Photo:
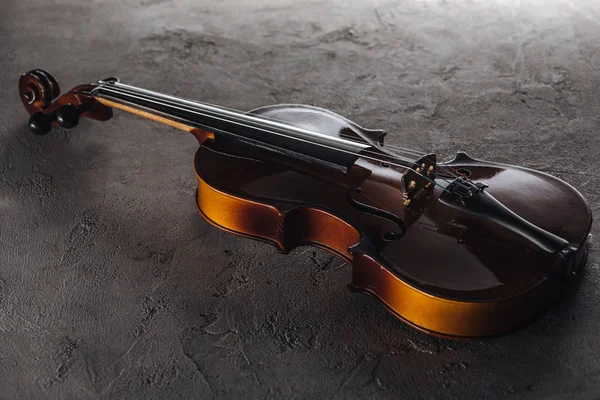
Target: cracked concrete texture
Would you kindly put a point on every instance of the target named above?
(111, 285)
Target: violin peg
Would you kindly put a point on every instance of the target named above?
(67, 116)
(40, 123)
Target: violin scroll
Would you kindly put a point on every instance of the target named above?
(40, 94)
(38, 89)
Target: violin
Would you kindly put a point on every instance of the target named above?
(462, 248)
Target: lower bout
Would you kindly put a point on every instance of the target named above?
(431, 314)
(450, 318)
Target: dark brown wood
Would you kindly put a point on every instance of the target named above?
(39, 92)
(439, 268)
(450, 274)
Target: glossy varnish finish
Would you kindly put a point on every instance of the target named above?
(39, 92)
(450, 274)
(441, 269)
(431, 304)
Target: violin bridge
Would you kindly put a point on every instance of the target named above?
(421, 177)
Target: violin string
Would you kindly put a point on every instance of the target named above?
(241, 114)
(147, 95)
(392, 148)
(105, 87)
(237, 114)
(130, 89)
(267, 118)
(395, 148)
(375, 157)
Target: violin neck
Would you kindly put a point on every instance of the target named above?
(193, 115)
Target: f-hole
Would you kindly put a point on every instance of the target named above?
(465, 172)
(387, 236)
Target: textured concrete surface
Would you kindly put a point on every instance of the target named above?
(112, 286)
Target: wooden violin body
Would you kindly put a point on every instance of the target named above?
(447, 274)
(443, 270)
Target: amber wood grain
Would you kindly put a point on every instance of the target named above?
(449, 275)
(447, 317)
(290, 226)
(200, 134)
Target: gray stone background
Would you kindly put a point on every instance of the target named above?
(111, 285)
